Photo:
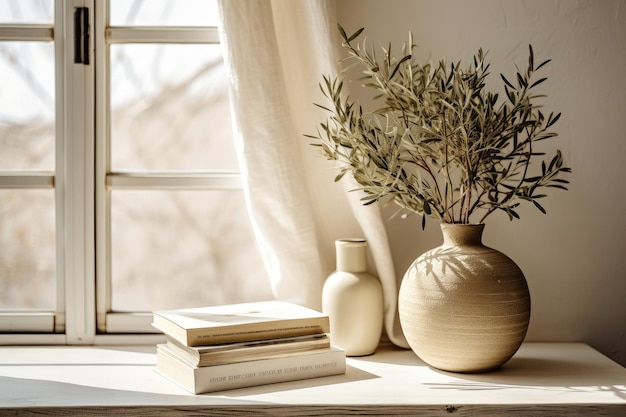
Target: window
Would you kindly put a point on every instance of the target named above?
(118, 175)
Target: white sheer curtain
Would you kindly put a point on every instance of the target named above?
(276, 52)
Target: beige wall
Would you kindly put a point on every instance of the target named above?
(574, 257)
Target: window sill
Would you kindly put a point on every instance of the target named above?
(553, 378)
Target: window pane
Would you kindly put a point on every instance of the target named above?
(174, 249)
(163, 12)
(170, 108)
(27, 105)
(26, 11)
(27, 254)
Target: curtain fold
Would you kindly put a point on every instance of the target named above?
(275, 53)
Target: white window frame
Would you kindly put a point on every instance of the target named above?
(84, 179)
(37, 327)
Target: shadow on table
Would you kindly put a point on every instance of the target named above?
(551, 373)
(27, 393)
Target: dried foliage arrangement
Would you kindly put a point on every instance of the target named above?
(441, 144)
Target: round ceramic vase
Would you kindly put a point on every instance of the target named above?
(353, 300)
(463, 306)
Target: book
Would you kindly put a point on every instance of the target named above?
(240, 322)
(246, 351)
(199, 380)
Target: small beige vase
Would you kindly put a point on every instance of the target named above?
(464, 307)
(353, 300)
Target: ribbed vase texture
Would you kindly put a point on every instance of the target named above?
(463, 306)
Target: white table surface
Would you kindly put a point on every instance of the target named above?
(551, 378)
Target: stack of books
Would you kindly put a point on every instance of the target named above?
(241, 345)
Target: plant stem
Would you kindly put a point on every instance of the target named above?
(449, 203)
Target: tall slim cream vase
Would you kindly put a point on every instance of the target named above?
(353, 300)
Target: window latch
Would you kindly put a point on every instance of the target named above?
(81, 35)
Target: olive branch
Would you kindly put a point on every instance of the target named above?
(440, 144)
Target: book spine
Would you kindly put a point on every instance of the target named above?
(247, 351)
(262, 331)
(260, 372)
(270, 371)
